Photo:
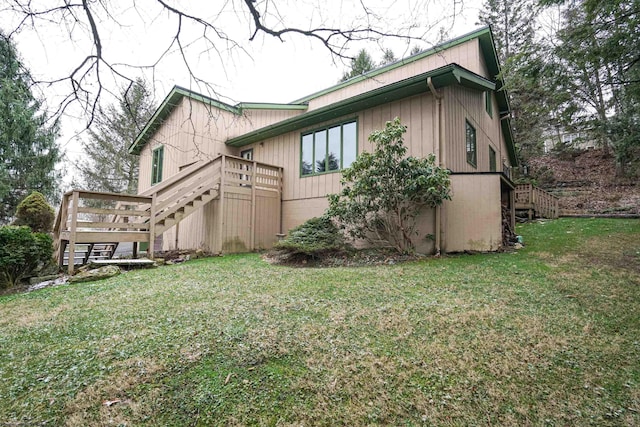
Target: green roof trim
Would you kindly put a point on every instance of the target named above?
(270, 106)
(443, 76)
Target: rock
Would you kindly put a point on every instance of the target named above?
(518, 246)
(40, 279)
(95, 274)
(159, 261)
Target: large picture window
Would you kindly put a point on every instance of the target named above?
(329, 149)
(472, 157)
(157, 158)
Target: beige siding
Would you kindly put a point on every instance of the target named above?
(466, 55)
(195, 131)
(295, 212)
(462, 104)
(417, 113)
(473, 217)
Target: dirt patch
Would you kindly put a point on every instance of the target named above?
(355, 258)
(107, 401)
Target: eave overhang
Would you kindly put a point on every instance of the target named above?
(443, 76)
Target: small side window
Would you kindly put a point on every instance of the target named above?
(471, 145)
(157, 159)
(488, 104)
(492, 159)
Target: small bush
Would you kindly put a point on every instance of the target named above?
(22, 253)
(35, 213)
(313, 239)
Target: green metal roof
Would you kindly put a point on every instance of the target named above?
(443, 76)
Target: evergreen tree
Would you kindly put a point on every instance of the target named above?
(359, 65)
(598, 56)
(110, 167)
(28, 152)
(388, 57)
(525, 70)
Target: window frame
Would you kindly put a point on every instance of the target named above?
(488, 103)
(474, 161)
(493, 160)
(157, 164)
(326, 129)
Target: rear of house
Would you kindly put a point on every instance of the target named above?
(448, 97)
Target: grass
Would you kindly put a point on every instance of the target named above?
(549, 335)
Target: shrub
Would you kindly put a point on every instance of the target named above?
(312, 239)
(35, 212)
(384, 192)
(21, 253)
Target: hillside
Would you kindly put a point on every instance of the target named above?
(587, 183)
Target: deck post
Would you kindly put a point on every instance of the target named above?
(61, 225)
(72, 232)
(152, 228)
(221, 213)
(252, 238)
(280, 174)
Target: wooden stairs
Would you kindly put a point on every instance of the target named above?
(78, 236)
(84, 233)
(537, 202)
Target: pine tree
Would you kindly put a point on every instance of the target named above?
(388, 57)
(110, 167)
(525, 70)
(28, 151)
(359, 65)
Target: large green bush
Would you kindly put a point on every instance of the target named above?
(22, 253)
(384, 192)
(35, 212)
(312, 239)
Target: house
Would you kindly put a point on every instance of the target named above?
(239, 176)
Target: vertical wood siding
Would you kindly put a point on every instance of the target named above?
(473, 216)
(462, 104)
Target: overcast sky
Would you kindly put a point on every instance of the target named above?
(264, 70)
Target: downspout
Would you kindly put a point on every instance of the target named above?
(439, 233)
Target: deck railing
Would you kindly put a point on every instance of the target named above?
(536, 201)
(140, 218)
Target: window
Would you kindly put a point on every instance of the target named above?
(492, 159)
(329, 149)
(471, 145)
(488, 104)
(157, 158)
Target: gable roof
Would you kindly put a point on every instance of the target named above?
(172, 100)
(449, 74)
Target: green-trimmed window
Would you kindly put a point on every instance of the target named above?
(472, 156)
(157, 158)
(492, 159)
(329, 149)
(488, 104)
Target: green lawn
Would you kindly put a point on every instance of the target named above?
(549, 335)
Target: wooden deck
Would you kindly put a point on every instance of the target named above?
(537, 202)
(83, 233)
